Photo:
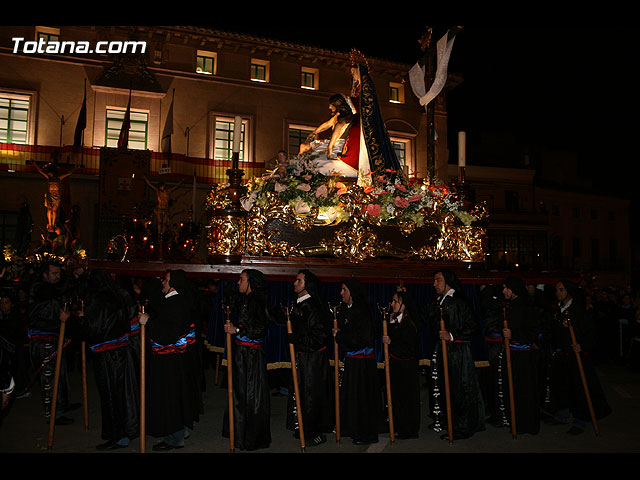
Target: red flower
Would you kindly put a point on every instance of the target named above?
(401, 202)
(373, 209)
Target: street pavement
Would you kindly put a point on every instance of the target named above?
(25, 431)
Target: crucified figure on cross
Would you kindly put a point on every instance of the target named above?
(53, 196)
(162, 209)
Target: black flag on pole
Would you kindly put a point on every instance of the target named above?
(123, 140)
(168, 128)
(82, 121)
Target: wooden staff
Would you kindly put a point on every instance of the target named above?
(83, 353)
(584, 379)
(336, 372)
(227, 310)
(445, 365)
(512, 402)
(143, 384)
(387, 373)
(294, 372)
(56, 380)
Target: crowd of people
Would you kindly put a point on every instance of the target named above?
(537, 339)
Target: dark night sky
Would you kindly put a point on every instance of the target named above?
(559, 88)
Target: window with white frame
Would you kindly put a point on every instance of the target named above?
(297, 135)
(402, 147)
(259, 70)
(223, 129)
(309, 78)
(396, 92)
(14, 118)
(138, 131)
(206, 62)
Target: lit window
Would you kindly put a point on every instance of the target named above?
(14, 118)
(297, 136)
(223, 148)
(259, 70)
(309, 78)
(138, 132)
(402, 147)
(396, 92)
(48, 34)
(206, 62)
(401, 151)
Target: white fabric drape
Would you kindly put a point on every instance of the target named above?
(417, 73)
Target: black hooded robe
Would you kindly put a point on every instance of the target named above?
(467, 405)
(567, 390)
(525, 328)
(310, 320)
(105, 328)
(405, 375)
(251, 400)
(174, 399)
(360, 394)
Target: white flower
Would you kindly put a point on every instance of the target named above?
(302, 207)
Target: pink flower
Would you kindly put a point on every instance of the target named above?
(401, 202)
(305, 187)
(373, 209)
(401, 187)
(415, 198)
(279, 187)
(381, 179)
(307, 177)
(322, 192)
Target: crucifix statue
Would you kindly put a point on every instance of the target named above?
(53, 196)
(162, 208)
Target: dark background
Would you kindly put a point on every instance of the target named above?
(526, 91)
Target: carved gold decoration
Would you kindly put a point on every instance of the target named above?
(226, 235)
(260, 240)
(438, 232)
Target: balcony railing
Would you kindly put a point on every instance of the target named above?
(17, 158)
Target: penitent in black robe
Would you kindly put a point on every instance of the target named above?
(105, 328)
(525, 328)
(467, 405)
(251, 401)
(567, 390)
(360, 395)
(405, 375)
(174, 399)
(310, 320)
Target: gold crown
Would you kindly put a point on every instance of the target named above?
(357, 57)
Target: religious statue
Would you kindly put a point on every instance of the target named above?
(53, 196)
(279, 164)
(327, 154)
(359, 143)
(162, 208)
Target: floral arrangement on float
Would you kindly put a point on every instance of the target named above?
(388, 202)
(297, 211)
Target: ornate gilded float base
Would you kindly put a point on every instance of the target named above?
(276, 228)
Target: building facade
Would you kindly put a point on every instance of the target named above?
(190, 84)
(190, 81)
